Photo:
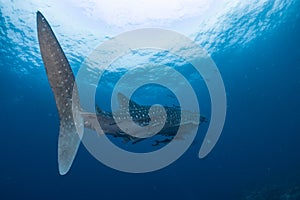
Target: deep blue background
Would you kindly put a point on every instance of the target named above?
(259, 146)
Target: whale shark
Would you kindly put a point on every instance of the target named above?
(62, 82)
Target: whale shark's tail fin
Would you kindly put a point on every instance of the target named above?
(62, 82)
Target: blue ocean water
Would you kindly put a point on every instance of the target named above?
(257, 156)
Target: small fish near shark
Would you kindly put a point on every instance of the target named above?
(62, 82)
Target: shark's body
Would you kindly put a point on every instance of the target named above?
(62, 82)
(140, 115)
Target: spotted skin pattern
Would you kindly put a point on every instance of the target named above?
(62, 82)
(63, 85)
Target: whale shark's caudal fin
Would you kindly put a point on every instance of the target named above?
(62, 82)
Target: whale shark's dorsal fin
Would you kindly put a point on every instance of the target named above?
(124, 102)
(62, 82)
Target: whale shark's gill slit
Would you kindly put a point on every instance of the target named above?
(62, 82)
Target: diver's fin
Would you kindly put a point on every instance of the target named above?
(62, 82)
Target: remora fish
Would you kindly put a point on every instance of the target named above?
(62, 82)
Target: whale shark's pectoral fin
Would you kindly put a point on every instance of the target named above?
(165, 141)
(62, 82)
